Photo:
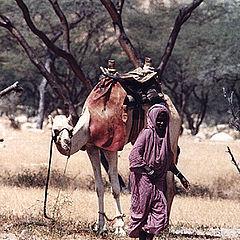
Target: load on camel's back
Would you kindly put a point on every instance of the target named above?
(113, 96)
(112, 116)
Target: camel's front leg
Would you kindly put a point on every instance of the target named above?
(113, 173)
(94, 156)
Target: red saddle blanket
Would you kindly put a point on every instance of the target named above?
(108, 115)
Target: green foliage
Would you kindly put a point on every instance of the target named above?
(205, 57)
(89, 44)
(206, 54)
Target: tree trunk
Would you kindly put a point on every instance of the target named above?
(42, 91)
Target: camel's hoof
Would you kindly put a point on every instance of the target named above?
(120, 232)
(104, 233)
(95, 228)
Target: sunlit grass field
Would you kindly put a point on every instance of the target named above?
(212, 202)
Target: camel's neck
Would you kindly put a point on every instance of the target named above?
(81, 132)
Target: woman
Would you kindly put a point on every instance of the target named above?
(149, 161)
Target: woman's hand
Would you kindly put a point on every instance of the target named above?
(185, 183)
(150, 172)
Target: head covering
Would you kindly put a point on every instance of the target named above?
(153, 113)
(150, 148)
(162, 158)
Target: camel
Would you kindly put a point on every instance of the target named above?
(69, 140)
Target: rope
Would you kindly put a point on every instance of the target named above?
(47, 183)
(48, 175)
(59, 191)
(112, 219)
(64, 172)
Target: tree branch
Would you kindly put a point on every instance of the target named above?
(235, 122)
(233, 159)
(4, 21)
(124, 41)
(58, 51)
(14, 87)
(60, 89)
(182, 17)
(63, 20)
(120, 6)
(71, 26)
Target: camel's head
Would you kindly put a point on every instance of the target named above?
(62, 133)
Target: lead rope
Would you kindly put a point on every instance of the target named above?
(59, 190)
(47, 183)
(48, 178)
(112, 219)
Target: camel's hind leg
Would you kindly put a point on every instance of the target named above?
(94, 156)
(170, 192)
(113, 173)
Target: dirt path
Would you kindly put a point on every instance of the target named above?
(174, 233)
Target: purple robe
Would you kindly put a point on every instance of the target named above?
(149, 209)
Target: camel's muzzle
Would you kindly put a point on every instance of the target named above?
(58, 139)
(57, 133)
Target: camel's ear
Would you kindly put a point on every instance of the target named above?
(70, 120)
(50, 119)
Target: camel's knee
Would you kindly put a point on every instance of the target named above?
(99, 190)
(115, 186)
(115, 191)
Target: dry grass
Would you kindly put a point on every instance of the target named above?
(213, 201)
(197, 211)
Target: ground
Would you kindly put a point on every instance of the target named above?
(211, 207)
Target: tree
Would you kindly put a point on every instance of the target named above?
(64, 82)
(203, 60)
(190, 94)
(64, 51)
(205, 56)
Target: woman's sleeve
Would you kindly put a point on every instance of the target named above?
(173, 169)
(136, 158)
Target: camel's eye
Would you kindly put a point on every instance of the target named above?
(56, 132)
(71, 133)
